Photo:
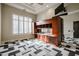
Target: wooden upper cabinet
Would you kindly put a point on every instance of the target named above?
(44, 22)
(55, 22)
(55, 25)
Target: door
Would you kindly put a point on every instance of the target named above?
(61, 36)
(76, 29)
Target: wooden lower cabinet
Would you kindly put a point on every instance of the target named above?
(53, 40)
(48, 39)
(43, 38)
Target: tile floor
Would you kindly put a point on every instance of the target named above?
(36, 48)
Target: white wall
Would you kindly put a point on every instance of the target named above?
(7, 12)
(47, 14)
(73, 15)
(68, 20)
(0, 23)
(68, 24)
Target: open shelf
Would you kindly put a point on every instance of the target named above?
(44, 26)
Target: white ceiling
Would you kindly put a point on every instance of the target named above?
(34, 8)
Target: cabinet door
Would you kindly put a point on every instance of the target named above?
(43, 38)
(56, 41)
(37, 36)
(46, 39)
(55, 26)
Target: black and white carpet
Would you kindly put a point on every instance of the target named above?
(37, 48)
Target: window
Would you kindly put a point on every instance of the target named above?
(15, 24)
(30, 25)
(26, 25)
(22, 25)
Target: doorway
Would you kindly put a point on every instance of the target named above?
(76, 29)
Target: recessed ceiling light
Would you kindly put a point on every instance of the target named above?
(46, 5)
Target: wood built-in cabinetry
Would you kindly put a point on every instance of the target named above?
(49, 31)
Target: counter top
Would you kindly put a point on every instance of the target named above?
(47, 34)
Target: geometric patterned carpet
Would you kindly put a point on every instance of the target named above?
(37, 48)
